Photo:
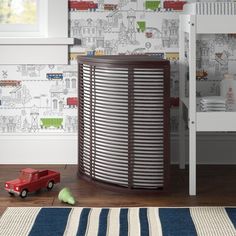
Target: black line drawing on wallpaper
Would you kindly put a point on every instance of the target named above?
(148, 45)
(131, 29)
(90, 32)
(221, 63)
(71, 124)
(30, 70)
(153, 32)
(25, 126)
(113, 19)
(44, 98)
(41, 102)
(9, 124)
(170, 33)
(34, 114)
(4, 74)
(203, 54)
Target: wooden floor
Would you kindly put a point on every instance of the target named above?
(216, 186)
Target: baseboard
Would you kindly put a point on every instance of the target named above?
(216, 149)
(212, 148)
(38, 149)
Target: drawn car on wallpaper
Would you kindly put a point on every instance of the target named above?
(54, 76)
(31, 180)
(10, 83)
(174, 5)
(83, 5)
(201, 75)
(159, 55)
(168, 5)
(72, 102)
(47, 123)
(110, 7)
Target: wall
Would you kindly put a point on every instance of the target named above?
(38, 104)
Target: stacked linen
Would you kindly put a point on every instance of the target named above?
(213, 103)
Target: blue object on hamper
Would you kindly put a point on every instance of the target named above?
(153, 221)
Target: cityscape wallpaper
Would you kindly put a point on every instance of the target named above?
(43, 98)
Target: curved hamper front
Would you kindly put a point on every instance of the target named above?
(124, 121)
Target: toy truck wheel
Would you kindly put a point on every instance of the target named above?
(24, 193)
(50, 185)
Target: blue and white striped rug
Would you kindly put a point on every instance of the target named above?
(204, 221)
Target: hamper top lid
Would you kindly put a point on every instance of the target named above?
(126, 60)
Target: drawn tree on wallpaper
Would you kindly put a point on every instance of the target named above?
(18, 11)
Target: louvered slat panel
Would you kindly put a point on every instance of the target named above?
(123, 119)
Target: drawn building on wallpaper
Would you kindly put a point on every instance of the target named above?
(75, 28)
(21, 95)
(57, 98)
(30, 70)
(71, 124)
(16, 93)
(99, 34)
(221, 39)
(222, 61)
(109, 47)
(170, 33)
(9, 124)
(127, 34)
(203, 54)
(70, 80)
(113, 19)
(90, 32)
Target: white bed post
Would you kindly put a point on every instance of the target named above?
(181, 95)
(192, 106)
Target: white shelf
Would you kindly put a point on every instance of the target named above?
(216, 121)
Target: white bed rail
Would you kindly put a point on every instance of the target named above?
(210, 8)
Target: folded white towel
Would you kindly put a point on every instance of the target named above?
(213, 99)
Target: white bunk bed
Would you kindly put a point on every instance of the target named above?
(201, 18)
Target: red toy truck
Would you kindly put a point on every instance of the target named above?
(31, 180)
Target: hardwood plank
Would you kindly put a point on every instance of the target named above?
(2, 209)
(215, 184)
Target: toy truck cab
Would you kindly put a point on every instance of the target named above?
(31, 180)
